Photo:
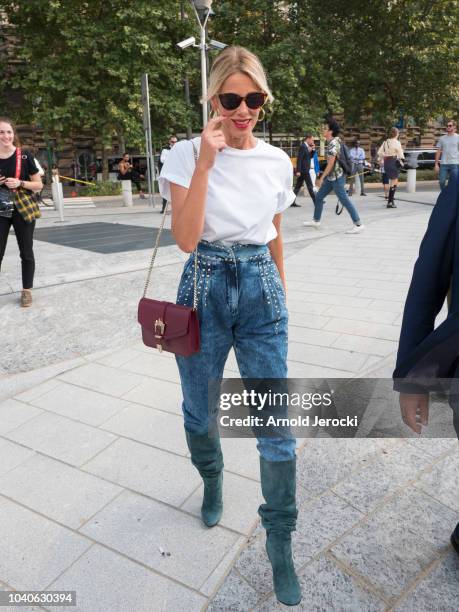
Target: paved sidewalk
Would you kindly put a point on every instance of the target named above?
(97, 493)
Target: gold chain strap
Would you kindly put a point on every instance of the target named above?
(155, 250)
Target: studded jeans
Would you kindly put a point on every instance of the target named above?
(241, 304)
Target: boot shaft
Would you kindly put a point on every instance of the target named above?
(278, 485)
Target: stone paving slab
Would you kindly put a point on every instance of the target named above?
(150, 426)
(35, 550)
(58, 491)
(89, 407)
(398, 542)
(138, 527)
(326, 586)
(102, 378)
(105, 580)
(14, 413)
(61, 438)
(368, 487)
(440, 588)
(153, 472)
(441, 481)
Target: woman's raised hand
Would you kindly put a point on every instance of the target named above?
(212, 141)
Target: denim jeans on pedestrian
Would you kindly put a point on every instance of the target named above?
(241, 304)
(339, 187)
(445, 173)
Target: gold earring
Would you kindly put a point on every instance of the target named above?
(264, 115)
(213, 114)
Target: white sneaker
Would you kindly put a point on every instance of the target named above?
(315, 224)
(356, 229)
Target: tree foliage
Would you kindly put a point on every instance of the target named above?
(392, 56)
(82, 63)
(82, 60)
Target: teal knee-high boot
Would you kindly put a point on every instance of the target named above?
(206, 456)
(278, 517)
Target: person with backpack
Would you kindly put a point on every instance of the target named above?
(334, 178)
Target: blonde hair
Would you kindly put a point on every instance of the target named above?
(393, 132)
(237, 59)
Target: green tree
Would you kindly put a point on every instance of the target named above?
(390, 56)
(83, 61)
(273, 31)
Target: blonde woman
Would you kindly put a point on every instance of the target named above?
(229, 204)
(390, 155)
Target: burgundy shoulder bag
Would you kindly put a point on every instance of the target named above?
(167, 326)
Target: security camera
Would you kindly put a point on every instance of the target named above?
(202, 5)
(188, 42)
(214, 44)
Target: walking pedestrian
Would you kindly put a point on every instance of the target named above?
(303, 167)
(333, 179)
(162, 159)
(390, 154)
(228, 205)
(428, 357)
(19, 179)
(127, 172)
(357, 155)
(385, 182)
(447, 154)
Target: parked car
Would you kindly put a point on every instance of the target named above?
(421, 159)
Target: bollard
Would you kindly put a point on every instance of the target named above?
(411, 180)
(58, 196)
(126, 187)
(357, 187)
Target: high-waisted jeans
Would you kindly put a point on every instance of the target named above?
(241, 304)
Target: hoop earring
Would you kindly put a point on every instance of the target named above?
(213, 114)
(264, 115)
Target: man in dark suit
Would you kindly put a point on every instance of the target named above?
(428, 357)
(303, 166)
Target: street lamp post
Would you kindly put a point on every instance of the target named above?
(202, 12)
(202, 9)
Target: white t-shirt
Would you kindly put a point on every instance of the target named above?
(247, 187)
(449, 146)
(164, 154)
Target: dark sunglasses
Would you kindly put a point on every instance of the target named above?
(450, 125)
(231, 101)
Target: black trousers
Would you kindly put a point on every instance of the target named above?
(305, 178)
(24, 236)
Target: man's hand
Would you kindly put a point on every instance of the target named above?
(437, 168)
(297, 173)
(415, 410)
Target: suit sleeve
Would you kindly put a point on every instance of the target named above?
(299, 161)
(431, 275)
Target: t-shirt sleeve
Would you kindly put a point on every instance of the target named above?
(333, 149)
(178, 168)
(287, 196)
(440, 143)
(29, 166)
